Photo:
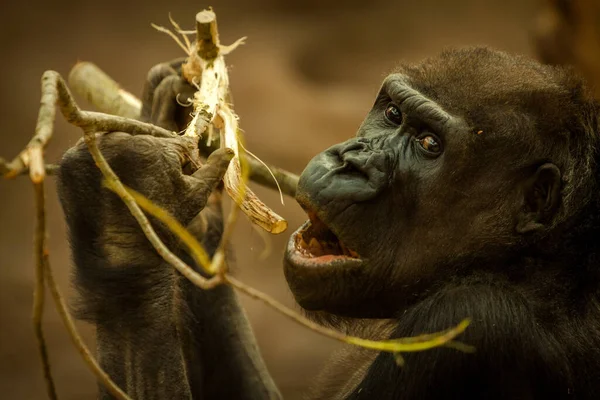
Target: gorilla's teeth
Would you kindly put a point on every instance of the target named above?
(348, 252)
(303, 243)
(315, 247)
(344, 249)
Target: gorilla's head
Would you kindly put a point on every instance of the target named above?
(470, 161)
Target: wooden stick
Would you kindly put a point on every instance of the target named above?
(94, 83)
(205, 68)
(207, 35)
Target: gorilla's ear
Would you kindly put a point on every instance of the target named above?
(541, 199)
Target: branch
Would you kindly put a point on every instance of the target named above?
(410, 344)
(107, 93)
(50, 169)
(198, 253)
(207, 35)
(84, 78)
(31, 155)
(55, 91)
(288, 182)
(212, 106)
(40, 251)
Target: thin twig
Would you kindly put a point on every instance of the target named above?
(50, 169)
(172, 35)
(401, 345)
(197, 251)
(39, 294)
(43, 133)
(89, 359)
(178, 29)
(288, 312)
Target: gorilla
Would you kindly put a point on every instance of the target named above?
(469, 191)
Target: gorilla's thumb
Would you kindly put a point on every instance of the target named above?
(210, 174)
(215, 167)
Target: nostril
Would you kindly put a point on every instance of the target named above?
(357, 163)
(350, 167)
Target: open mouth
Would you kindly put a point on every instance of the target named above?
(315, 260)
(316, 241)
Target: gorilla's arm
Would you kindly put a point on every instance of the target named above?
(159, 336)
(515, 357)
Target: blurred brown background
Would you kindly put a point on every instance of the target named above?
(304, 80)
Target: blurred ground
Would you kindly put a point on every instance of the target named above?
(304, 80)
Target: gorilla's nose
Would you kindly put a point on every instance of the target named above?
(357, 157)
(346, 173)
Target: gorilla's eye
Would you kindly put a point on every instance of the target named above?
(430, 144)
(393, 114)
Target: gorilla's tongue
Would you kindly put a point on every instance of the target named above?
(318, 240)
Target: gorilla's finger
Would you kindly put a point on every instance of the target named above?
(164, 104)
(155, 76)
(204, 181)
(170, 95)
(215, 166)
(207, 225)
(177, 63)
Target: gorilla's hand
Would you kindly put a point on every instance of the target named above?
(153, 324)
(152, 166)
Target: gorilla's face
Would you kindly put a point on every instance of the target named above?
(430, 187)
